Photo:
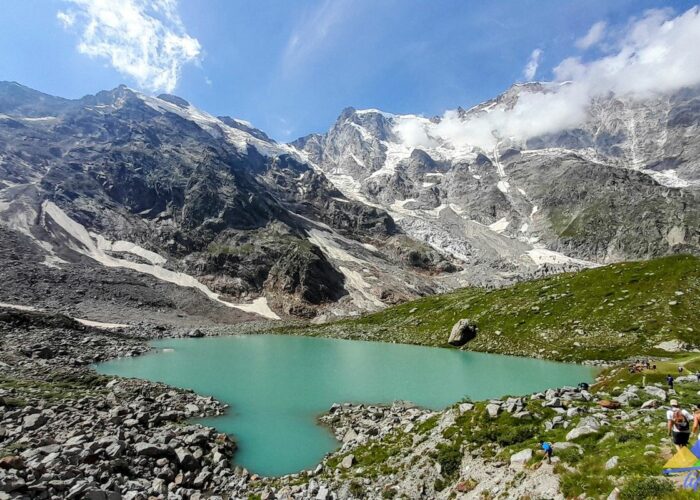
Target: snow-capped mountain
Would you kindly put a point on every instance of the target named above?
(618, 182)
(121, 203)
(126, 194)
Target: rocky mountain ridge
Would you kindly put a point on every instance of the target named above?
(155, 186)
(621, 184)
(381, 209)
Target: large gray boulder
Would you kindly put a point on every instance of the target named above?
(521, 457)
(186, 459)
(34, 421)
(462, 332)
(655, 392)
(153, 450)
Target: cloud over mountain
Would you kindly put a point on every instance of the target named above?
(143, 39)
(655, 54)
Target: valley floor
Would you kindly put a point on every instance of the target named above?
(69, 433)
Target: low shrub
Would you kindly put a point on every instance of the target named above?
(356, 489)
(640, 488)
(450, 458)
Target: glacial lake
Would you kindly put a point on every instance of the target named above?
(277, 385)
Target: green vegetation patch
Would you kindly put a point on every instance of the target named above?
(607, 313)
(63, 387)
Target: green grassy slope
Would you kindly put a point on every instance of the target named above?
(610, 312)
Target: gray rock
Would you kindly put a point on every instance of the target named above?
(553, 403)
(34, 421)
(465, 407)
(323, 493)
(202, 479)
(351, 435)
(493, 409)
(652, 403)
(655, 392)
(152, 450)
(347, 461)
(564, 445)
(186, 459)
(580, 431)
(612, 463)
(115, 450)
(159, 487)
(573, 411)
(521, 457)
(614, 494)
(586, 396)
(462, 332)
(76, 440)
(95, 494)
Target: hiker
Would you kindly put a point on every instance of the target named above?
(678, 424)
(696, 419)
(547, 448)
(669, 381)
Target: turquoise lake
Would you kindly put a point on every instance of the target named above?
(278, 385)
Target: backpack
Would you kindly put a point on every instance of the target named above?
(680, 422)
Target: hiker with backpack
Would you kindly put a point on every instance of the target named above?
(696, 419)
(678, 424)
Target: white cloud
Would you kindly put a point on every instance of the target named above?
(532, 64)
(413, 131)
(144, 39)
(654, 55)
(594, 35)
(67, 19)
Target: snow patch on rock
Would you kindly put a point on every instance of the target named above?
(543, 256)
(83, 243)
(503, 186)
(360, 290)
(500, 225)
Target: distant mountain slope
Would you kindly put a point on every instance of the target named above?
(623, 183)
(611, 312)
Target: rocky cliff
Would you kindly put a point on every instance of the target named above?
(157, 190)
(620, 183)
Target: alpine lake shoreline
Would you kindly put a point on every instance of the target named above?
(68, 432)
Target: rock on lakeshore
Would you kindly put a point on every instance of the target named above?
(462, 332)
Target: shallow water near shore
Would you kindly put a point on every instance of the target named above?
(277, 385)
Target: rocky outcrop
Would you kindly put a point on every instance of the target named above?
(462, 332)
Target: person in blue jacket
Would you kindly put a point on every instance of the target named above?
(548, 451)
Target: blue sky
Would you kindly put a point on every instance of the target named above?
(290, 67)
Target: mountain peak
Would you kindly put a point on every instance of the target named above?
(173, 99)
(245, 127)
